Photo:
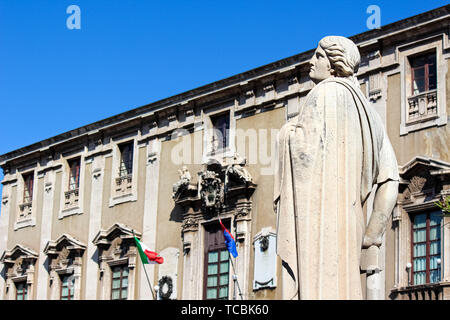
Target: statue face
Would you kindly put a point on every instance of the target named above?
(320, 67)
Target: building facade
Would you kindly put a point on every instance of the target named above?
(168, 171)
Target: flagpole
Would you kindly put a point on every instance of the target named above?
(145, 271)
(236, 282)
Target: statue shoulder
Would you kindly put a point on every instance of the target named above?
(338, 84)
(329, 87)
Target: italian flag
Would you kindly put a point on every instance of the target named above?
(147, 256)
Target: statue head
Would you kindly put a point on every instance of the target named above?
(335, 56)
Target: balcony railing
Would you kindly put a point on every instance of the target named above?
(430, 291)
(71, 198)
(422, 106)
(123, 185)
(25, 210)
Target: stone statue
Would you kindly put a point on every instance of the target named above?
(236, 171)
(329, 158)
(183, 183)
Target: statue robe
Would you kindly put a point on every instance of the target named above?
(328, 160)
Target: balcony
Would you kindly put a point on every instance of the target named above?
(430, 291)
(25, 210)
(71, 198)
(422, 107)
(123, 185)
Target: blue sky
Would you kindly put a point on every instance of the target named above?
(129, 53)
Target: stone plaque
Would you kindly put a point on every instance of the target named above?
(265, 271)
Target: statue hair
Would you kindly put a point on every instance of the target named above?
(343, 55)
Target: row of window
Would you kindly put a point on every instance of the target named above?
(125, 169)
(119, 286)
(220, 141)
(216, 272)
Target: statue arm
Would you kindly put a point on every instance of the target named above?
(383, 204)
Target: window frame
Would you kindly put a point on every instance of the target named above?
(426, 67)
(70, 289)
(212, 233)
(427, 242)
(28, 184)
(220, 122)
(23, 291)
(76, 184)
(126, 166)
(438, 115)
(122, 267)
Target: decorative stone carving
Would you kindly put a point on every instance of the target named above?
(249, 93)
(48, 187)
(116, 246)
(183, 183)
(189, 224)
(422, 107)
(97, 172)
(65, 258)
(236, 173)
(25, 210)
(165, 287)
(265, 270)
(416, 184)
(374, 87)
(71, 198)
(124, 185)
(211, 190)
(152, 157)
(168, 274)
(20, 266)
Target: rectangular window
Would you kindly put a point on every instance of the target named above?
(28, 180)
(67, 287)
(119, 283)
(426, 247)
(221, 128)
(21, 290)
(126, 159)
(74, 174)
(216, 277)
(423, 73)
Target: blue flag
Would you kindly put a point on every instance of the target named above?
(229, 241)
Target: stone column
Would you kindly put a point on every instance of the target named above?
(77, 270)
(4, 221)
(132, 253)
(95, 215)
(150, 214)
(31, 284)
(193, 261)
(244, 245)
(46, 232)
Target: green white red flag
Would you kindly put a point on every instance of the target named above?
(147, 256)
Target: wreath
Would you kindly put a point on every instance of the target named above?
(165, 282)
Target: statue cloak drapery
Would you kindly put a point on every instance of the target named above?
(329, 158)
